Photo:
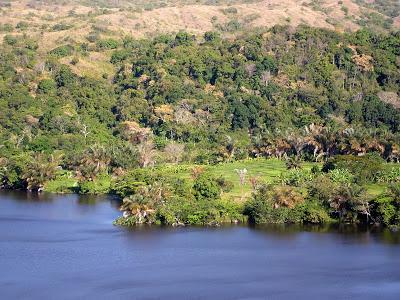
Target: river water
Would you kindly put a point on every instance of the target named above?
(65, 247)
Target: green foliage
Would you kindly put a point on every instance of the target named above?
(62, 51)
(163, 200)
(350, 204)
(47, 86)
(305, 93)
(296, 177)
(387, 206)
(206, 188)
(389, 175)
(321, 189)
(283, 205)
(63, 182)
(119, 56)
(363, 168)
(341, 176)
(128, 184)
(100, 185)
(107, 44)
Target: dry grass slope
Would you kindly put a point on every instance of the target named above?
(136, 18)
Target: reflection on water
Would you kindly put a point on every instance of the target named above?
(347, 232)
(64, 246)
(24, 196)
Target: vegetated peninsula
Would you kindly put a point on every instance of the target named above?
(230, 119)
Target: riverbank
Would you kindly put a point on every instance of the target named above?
(268, 170)
(344, 189)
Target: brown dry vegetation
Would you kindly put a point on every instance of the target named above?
(133, 20)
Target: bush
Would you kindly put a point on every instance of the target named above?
(6, 27)
(62, 51)
(61, 27)
(107, 44)
(387, 206)
(296, 177)
(47, 86)
(22, 25)
(224, 184)
(280, 204)
(389, 175)
(63, 183)
(74, 61)
(100, 185)
(314, 213)
(206, 188)
(10, 40)
(321, 189)
(341, 176)
(119, 56)
(364, 168)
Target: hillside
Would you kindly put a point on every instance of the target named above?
(92, 103)
(77, 23)
(54, 23)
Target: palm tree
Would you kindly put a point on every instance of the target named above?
(94, 160)
(293, 163)
(280, 148)
(297, 141)
(196, 172)
(174, 152)
(348, 202)
(230, 147)
(286, 196)
(327, 138)
(137, 207)
(39, 170)
(393, 152)
(146, 154)
(143, 204)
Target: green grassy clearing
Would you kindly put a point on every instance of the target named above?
(267, 170)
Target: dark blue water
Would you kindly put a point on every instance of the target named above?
(65, 247)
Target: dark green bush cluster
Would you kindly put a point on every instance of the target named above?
(270, 205)
(62, 51)
(151, 197)
(107, 44)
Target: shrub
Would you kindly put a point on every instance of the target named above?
(119, 56)
(61, 27)
(349, 203)
(321, 188)
(107, 44)
(62, 51)
(63, 183)
(6, 27)
(364, 168)
(296, 177)
(286, 196)
(280, 204)
(206, 188)
(314, 213)
(22, 25)
(10, 40)
(224, 184)
(100, 185)
(47, 86)
(341, 176)
(389, 175)
(387, 206)
(74, 61)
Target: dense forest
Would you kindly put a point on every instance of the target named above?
(303, 94)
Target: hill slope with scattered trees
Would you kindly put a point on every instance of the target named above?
(301, 94)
